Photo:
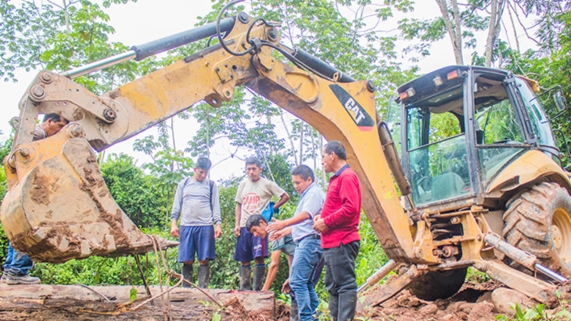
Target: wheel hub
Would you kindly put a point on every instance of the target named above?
(561, 234)
(557, 239)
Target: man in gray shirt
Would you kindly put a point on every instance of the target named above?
(197, 199)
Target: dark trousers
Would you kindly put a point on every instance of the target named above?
(340, 280)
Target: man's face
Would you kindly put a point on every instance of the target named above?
(327, 159)
(200, 174)
(300, 184)
(51, 128)
(253, 172)
(260, 231)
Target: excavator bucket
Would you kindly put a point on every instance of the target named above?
(58, 207)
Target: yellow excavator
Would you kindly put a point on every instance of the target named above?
(486, 189)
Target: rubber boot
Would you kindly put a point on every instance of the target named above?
(203, 276)
(347, 306)
(186, 274)
(294, 311)
(333, 307)
(259, 273)
(245, 277)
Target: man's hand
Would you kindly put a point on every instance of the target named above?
(276, 235)
(319, 225)
(217, 231)
(316, 217)
(285, 287)
(237, 231)
(174, 230)
(277, 225)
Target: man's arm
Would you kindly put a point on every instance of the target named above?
(278, 225)
(272, 270)
(279, 234)
(216, 211)
(283, 199)
(176, 208)
(312, 206)
(238, 214)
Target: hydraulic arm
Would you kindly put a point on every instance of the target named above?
(59, 207)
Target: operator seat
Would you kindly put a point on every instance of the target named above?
(446, 185)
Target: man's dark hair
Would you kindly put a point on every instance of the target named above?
(254, 220)
(253, 160)
(54, 117)
(304, 172)
(203, 163)
(336, 147)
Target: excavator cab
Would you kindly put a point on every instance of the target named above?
(461, 126)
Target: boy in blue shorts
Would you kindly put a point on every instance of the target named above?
(253, 196)
(197, 201)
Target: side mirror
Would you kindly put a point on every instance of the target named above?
(559, 99)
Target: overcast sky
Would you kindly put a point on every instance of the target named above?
(146, 20)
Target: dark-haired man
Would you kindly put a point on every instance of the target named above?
(18, 264)
(339, 228)
(197, 200)
(253, 196)
(308, 249)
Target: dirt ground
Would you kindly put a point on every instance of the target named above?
(472, 303)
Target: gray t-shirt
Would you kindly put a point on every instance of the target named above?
(311, 201)
(39, 133)
(193, 200)
(255, 197)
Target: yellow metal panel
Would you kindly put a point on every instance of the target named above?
(529, 167)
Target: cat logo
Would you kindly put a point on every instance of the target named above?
(361, 118)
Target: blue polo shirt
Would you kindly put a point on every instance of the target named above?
(311, 201)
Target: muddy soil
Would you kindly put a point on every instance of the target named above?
(473, 302)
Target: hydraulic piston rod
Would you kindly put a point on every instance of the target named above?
(523, 258)
(154, 47)
(377, 276)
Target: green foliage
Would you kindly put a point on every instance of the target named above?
(58, 36)
(99, 270)
(476, 276)
(141, 196)
(537, 313)
(550, 70)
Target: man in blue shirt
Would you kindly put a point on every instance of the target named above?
(308, 251)
(197, 201)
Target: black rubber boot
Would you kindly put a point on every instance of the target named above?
(259, 273)
(245, 277)
(186, 274)
(203, 276)
(333, 307)
(294, 311)
(347, 306)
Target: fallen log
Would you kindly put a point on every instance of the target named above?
(74, 302)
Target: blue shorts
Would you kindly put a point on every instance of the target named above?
(196, 239)
(250, 247)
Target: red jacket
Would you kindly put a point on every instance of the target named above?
(342, 209)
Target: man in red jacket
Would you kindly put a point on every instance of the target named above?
(338, 225)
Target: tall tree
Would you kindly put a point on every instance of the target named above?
(463, 21)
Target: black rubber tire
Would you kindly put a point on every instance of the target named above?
(438, 284)
(539, 222)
